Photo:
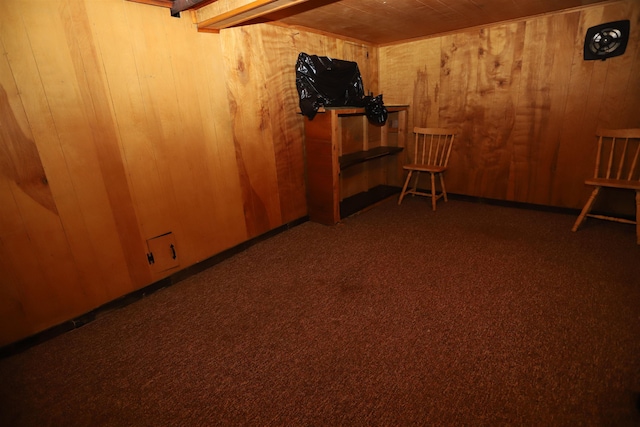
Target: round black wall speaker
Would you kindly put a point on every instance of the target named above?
(606, 40)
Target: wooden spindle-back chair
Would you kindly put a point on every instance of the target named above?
(617, 166)
(430, 154)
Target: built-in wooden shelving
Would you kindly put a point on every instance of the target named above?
(351, 163)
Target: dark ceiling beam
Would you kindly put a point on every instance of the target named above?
(176, 6)
(182, 5)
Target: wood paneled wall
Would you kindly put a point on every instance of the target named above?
(260, 74)
(525, 100)
(120, 124)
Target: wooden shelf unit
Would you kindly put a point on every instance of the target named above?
(351, 163)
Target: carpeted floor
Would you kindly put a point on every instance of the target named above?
(474, 315)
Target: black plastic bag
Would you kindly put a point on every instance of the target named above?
(375, 110)
(323, 81)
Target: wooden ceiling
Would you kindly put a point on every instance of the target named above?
(372, 21)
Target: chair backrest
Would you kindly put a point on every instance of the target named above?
(433, 146)
(618, 155)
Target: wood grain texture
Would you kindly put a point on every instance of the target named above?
(253, 135)
(527, 103)
(121, 48)
(19, 158)
(68, 101)
(142, 126)
(133, 136)
(40, 267)
(322, 177)
(95, 99)
(283, 101)
(23, 81)
(267, 131)
(383, 22)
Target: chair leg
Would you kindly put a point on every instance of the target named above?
(415, 182)
(404, 188)
(433, 191)
(585, 210)
(444, 190)
(638, 217)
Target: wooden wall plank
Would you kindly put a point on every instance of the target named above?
(20, 161)
(283, 103)
(577, 150)
(166, 147)
(112, 32)
(177, 101)
(42, 269)
(14, 322)
(631, 100)
(40, 303)
(541, 104)
(31, 238)
(20, 75)
(228, 215)
(34, 211)
(155, 159)
(613, 111)
(251, 121)
(412, 77)
(188, 152)
(500, 65)
(95, 99)
(63, 93)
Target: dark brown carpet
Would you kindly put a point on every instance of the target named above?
(472, 315)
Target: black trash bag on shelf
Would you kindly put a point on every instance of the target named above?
(325, 82)
(375, 110)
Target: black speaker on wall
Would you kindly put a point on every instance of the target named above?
(606, 40)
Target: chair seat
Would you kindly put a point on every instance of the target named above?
(614, 183)
(617, 155)
(425, 168)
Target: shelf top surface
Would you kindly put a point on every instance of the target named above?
(360, 110)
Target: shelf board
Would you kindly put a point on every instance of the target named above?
(360, 201)
(347, 110)
(351, 159)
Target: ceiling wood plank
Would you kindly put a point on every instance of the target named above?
(379, 22)
(385, 21)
